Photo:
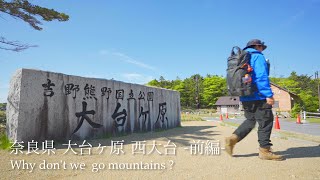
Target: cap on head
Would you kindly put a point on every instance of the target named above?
(255, 42)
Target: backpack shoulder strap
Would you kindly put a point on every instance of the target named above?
(255, 52)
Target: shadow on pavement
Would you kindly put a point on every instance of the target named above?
(292, 153)
(246, 155)
(301, 152)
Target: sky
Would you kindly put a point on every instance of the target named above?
(137, 41)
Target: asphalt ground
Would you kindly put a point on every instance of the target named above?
(304, 128)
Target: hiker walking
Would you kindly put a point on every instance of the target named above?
(258, 106)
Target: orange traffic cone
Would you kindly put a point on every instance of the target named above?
(298, 119)
(277, 124)
(221, 118)
(227, 117)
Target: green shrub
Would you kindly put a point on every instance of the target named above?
(5, 142)
(190, 117)
(295, 110)
(2, 116)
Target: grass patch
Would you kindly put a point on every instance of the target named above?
(121, 134)
(310, 120)
(160, 130)
(105, 136)
(209, 115)
(5, 142)
(313, 120)
(230, 124)
(307, 137)
(190, 117)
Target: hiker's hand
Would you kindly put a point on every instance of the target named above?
(270, 101)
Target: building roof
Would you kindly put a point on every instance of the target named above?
(228, 101)
(291, 93)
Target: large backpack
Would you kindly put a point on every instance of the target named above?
(239, 82)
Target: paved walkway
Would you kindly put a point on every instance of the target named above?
(305, 128)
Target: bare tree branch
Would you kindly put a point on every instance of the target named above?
(14, 45)
(29, 13)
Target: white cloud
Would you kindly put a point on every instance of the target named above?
(294, 18)
(299, 15)
(125, 77)
(133, 61)
(127, 59)
(137, 78)
(103, 52)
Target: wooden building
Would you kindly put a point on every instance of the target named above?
(228, 104)
(284, 101)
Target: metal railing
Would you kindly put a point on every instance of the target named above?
(305, 115)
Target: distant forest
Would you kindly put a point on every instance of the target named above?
(203, 92)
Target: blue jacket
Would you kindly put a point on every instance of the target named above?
(260, 77)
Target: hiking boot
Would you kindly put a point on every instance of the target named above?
(230, 143)
(266, 154)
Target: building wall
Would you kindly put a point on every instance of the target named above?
(283, 98)
(229, 109)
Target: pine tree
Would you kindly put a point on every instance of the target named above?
(29, 13)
